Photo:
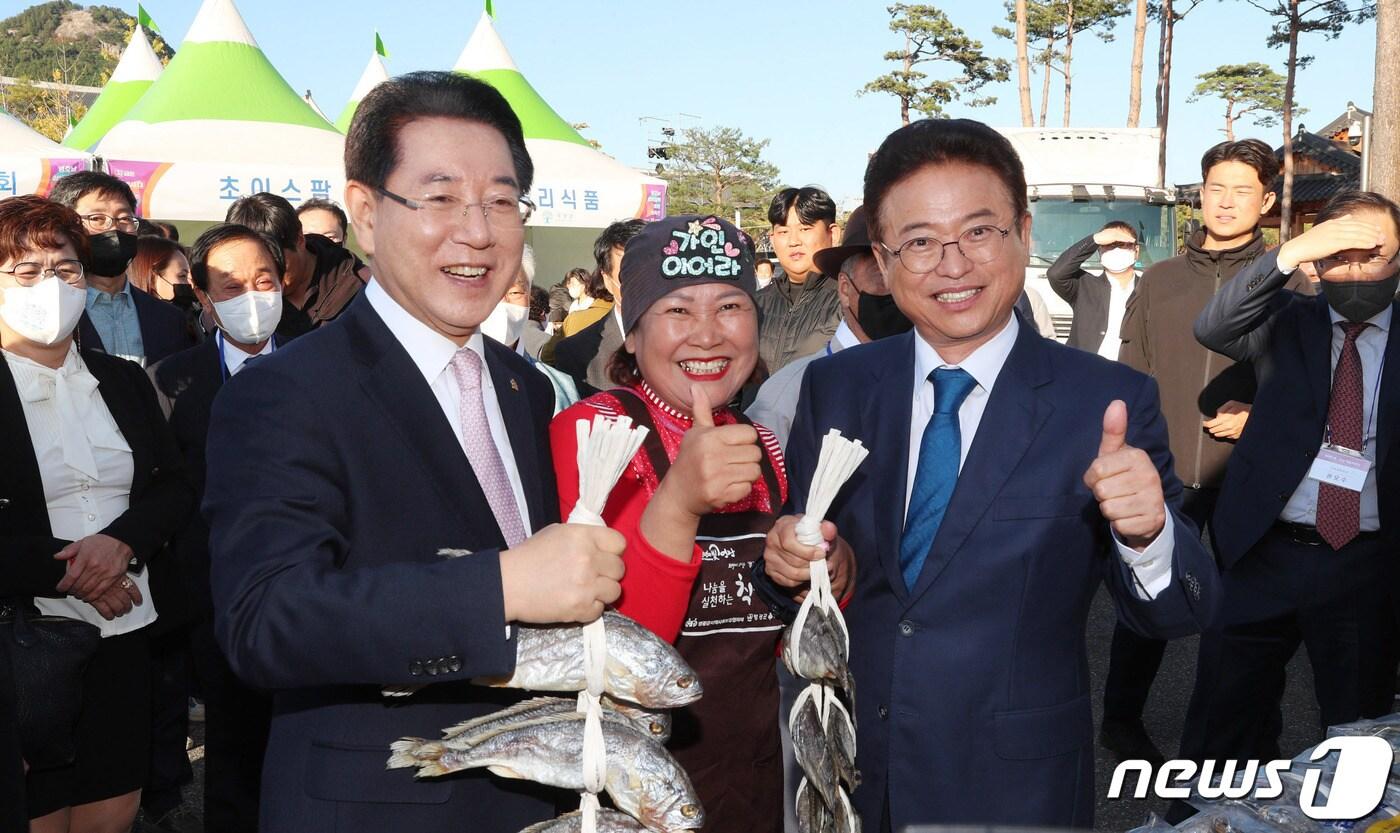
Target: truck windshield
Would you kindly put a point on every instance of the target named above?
(1060, 223)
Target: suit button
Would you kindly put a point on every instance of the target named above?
(431, 668)
(4, 503)
(906, 628)
(454, 664)
(415, 668)
(884, 713)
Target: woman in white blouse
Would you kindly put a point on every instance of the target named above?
(91, 489)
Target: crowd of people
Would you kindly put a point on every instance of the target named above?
(239, 463)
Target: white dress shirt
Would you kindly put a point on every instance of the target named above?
(432, 352)
(233, 357)
(85, 465)
(1152, 565)
(1302, 507)
(1117, 302)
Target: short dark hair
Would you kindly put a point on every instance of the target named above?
(539, 304)
(938, 142)
(1121, 225)
(68, 190)
(1252, 152)
(1347, 202)
(269, 214)
(372, 149)
(812, 204)
(319, 204)
(614, 236)
(227, 233)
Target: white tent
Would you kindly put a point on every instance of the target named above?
(221, 123)
(375, 73)
(137, 70)
(575, 186)
(31, 161)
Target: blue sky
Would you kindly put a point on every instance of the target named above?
(785, 70)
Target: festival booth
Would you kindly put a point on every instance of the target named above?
(31, 161)
(578, 190)
(375, 72)
(221, 123)
(137, 70)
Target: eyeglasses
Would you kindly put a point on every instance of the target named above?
(30, 273)
(106, 222)
(501, 212)
(1336, 264)
(979, 244)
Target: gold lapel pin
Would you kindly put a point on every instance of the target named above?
(515, 386)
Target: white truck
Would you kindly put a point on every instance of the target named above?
(1078, 179)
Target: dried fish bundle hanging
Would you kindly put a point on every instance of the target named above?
(817, 647)
(610, 737)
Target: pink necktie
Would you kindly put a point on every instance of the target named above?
(485, 459)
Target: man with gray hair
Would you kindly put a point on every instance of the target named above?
(510, 324)
(867, 313)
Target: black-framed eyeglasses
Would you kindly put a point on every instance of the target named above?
(29, 273)
(501, 212)
(979, 244)
(106, 222)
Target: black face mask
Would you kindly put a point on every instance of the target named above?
(184, 296)
(1358, 301)
(112, 251)
(879, 317)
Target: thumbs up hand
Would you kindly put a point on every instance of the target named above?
(1126, 483)
(715, 465)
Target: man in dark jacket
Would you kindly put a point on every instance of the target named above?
(1205, 396)
(799, 311)
(1098, 299)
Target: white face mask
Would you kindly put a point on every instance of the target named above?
(1118, 260)
(46, 312)
(505, 323)
(575, 291)
(250, 317)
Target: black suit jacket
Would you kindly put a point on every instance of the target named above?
(1289, 338)
(585, 354)
(161, 497)
(334, 479)
(163, 328)
(1087, 293)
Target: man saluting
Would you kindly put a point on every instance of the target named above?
(1009, 475)
(340, 466)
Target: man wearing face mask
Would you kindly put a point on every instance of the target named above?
(510, 324)
(237, 274)
(868, 312)
(1307, 517)
(1098, 300)
(120, 319)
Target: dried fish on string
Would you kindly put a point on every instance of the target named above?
(608, 821)
(655, 724)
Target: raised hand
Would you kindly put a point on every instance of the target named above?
(716, 465)
(1126, 483)
(1323, 240)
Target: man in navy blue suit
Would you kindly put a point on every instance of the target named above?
(341, 466)
(1008, 477)
(1306, 522)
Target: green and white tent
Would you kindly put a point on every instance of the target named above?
(576, 186)
(375, 73)
(31, 161)
(137, 70)
(221, 123)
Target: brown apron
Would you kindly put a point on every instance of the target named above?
(728, 741)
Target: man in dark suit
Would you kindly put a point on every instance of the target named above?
(1306, 522)
(991, 509)
(326, 532)
(585, 354)
(120, 319)
(238, 277)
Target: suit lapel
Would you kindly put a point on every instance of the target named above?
(1388, 408)
(88, 339)
(1316, 346)
(391, 379)
(514, 403)
(145, 321)
(1010, 423)
(888, 407)
(126, 412)
(17, 458)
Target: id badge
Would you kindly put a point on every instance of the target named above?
(1340, 467)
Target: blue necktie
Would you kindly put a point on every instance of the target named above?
(937, 474)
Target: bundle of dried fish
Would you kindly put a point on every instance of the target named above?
(642, 777)
(608, 821)
(655, 724)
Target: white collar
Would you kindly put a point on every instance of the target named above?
(430, 350)
(234, 357)
(984, 365)
(844, 337)
(1381, 320)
